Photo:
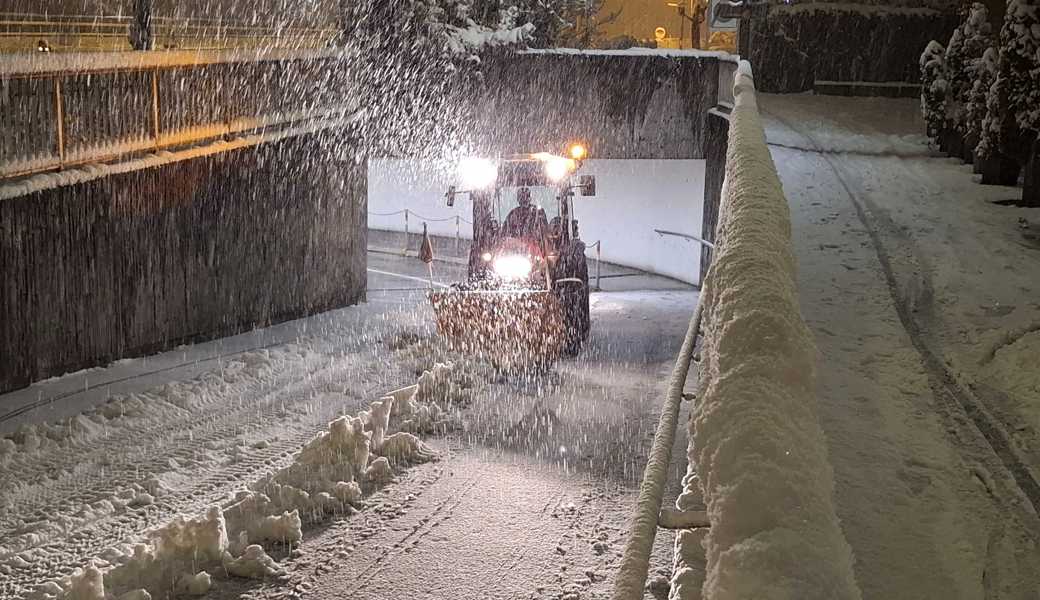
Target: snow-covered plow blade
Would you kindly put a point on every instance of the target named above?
(513, 329)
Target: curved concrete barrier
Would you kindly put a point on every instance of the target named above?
(758, 457)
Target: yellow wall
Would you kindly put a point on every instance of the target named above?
(639, 18)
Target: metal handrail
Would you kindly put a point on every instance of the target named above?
(54, 120)
(685, 236)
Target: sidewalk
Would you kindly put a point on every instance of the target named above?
(912, 281)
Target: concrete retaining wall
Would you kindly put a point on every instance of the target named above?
(136, 262)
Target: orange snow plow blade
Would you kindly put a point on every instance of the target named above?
(513, 329)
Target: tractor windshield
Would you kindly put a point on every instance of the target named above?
(542, 197)
(530, 174)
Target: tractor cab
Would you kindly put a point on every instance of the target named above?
(523, 207)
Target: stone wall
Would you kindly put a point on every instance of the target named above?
(137, 262)
(623, 104)
(794, 46)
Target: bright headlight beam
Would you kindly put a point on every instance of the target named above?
(477, 173)
(513, 266)
(557, 168)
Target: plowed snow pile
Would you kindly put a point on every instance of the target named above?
(331, 474)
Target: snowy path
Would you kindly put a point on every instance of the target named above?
(897, 254)
(142, 441)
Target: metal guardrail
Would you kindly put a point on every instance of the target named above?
(458, 236)
(21, 32)
(52, 119)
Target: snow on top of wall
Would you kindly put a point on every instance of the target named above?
(661, 52)
(927, 9)
(757, 447)
(37, 63)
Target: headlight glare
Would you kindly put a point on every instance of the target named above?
(512, 266)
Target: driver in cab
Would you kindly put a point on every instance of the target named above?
(526, 221)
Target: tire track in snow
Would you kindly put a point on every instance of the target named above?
(943, 382)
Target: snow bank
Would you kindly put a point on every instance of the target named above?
(756, 444)
(330, 474)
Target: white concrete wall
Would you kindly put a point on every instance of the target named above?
(634, 197)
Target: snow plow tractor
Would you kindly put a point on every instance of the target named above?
(526, 299)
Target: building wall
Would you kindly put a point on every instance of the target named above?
(625, 104)
(134, 263)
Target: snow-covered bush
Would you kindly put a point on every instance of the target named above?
(933, 87)
(962, 62)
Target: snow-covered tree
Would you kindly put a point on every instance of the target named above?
(933, 88)
(1020, 52)
(962, 60)
(1013, 101)
(976, 126)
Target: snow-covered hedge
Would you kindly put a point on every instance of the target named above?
(757, 446)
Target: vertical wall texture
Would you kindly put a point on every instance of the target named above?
(137, 262)
(624, 104)
(794, 46)
(716, 144)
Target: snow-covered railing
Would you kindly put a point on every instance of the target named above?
(758, 456)
(66, 110)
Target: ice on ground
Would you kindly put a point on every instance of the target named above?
(87, 585)
(193, 585)
(379, 470)
(253, 564)
(690, 569)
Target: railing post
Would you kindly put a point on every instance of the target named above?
(406, 231)
(458, 234)
(59, 115)
(599, 263)
(155, 107)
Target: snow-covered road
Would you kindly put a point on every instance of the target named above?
(537, 483)
(921, 293)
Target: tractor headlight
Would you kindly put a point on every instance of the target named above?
(513, 266)
(477, 173)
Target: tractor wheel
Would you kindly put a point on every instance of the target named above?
(574, 299)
